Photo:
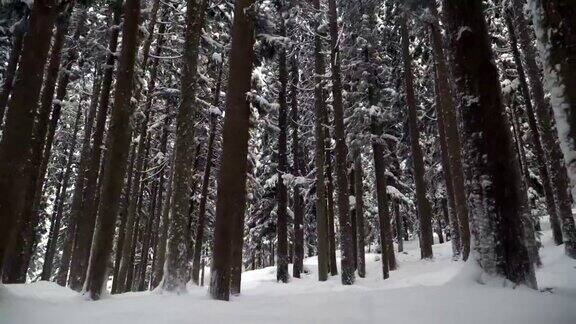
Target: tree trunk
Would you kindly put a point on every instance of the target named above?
(449, 201)
(281, 190)
(132, 217)
(230, 200)
(84, 151)
(446, 109)
(556, 169)
(497, 198)
(200, 226)
(330, 202)
(117, 146)
(352, 193)
(83, 215)
(298, 167)
(176, 273)
(554, 22)
(399, 225)
(123, 213)
(163, 233)
(359, 190)
(18, 128)
(423, 205)
(535, 132)
(13, 58)
(346, 241)
(322, 222)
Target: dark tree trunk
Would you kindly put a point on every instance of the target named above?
(13, 58)
(359, 190)
(346, 240)
(497, 199)
(423, 205)
(376, 129)
(453, 165)
(447, 173)
(163, 232)
(43, 135)
(230, 200)
(535, 132)
(320, 158)
(352, 193)
(298, 167)
(330, 203)
(399, 225)
(281, 190)
(18, 129)
(200, 225)
(83, 215)
(89, 120)
(117, 146)
(123, 213)
(132, 216)
(176, 262)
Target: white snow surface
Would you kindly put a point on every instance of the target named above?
(436, 291)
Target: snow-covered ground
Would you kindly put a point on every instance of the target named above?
(437, 291)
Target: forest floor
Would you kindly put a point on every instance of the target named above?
(434, 291)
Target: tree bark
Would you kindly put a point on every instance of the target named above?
(18, 128)
(557, 169)
(281, 190)
(83, 215)
(13, 58)
(298, 167)
(89, 120)
(346, 241)
(535, 132)
(117, 145)
(55, 227)
(123, 213)
(330, 202)
(230, 200)
(496, 195)
(399, 225)
(176, 270)
(359, 189)
(200, 226)
(554, 22)
(447, 172)
(423, 205)
(320, 158)
(447, 109)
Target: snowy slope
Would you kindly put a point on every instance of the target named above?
(437, 291)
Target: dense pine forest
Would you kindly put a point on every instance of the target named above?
(314, 161)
